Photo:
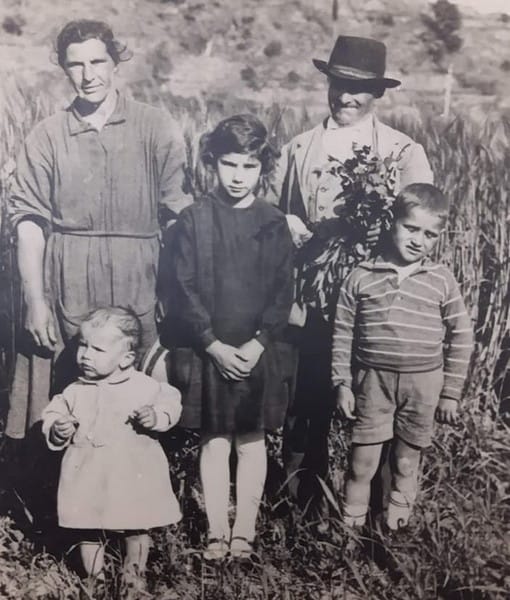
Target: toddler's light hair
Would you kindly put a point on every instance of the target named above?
(124, 319)
(422, 195)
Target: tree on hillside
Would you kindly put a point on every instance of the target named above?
(441, 37)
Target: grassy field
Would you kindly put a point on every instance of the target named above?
(458, 543)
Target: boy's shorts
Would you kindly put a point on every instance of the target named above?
(390, 404)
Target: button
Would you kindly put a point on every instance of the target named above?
(321, 207)
(323, 189)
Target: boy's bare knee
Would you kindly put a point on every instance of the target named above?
(363, 468)
(405, 466)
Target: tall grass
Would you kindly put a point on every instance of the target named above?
(456, 548)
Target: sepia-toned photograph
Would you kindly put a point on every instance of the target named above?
(254, 299)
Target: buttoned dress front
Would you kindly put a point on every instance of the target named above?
(114, 475)
(97, 195)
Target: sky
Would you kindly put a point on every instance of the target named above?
(485, 6)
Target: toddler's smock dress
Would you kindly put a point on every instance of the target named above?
(114, 473)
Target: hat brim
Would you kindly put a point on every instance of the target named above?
(323, 67)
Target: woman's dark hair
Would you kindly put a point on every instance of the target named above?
(243, 134)
(82, 30)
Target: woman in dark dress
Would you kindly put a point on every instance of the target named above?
(232, 293)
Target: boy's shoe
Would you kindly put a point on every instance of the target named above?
(217, 549)
(399, 511)
(354, 515)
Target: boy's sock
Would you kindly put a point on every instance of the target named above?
(399, 510)
(354, 515)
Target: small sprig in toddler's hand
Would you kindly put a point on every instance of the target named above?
(145, 416)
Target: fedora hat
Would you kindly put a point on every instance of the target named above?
(357, 59)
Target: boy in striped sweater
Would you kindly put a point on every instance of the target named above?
(402, 325)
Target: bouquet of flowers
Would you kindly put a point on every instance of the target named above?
(366, 192)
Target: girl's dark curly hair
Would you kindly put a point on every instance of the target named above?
(243, 134)
(82, 30)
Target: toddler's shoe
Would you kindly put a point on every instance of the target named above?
(354, 515)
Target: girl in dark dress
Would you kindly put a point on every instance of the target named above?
(231, 297)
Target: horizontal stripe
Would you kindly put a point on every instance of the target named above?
(422, 298)
(369, 285)
(458, 360)
(450, 374)
(399, 324)
(399, 339)
(407, 354)
(343, 307)
(456, 299)
(459, 314)
(416, 280)
(406, 310)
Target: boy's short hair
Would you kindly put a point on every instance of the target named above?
(423, 195)
(124, 319)
(243, 134)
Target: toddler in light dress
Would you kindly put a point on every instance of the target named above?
(114, 474)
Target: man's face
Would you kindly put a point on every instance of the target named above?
(91, 70)
(349, 101)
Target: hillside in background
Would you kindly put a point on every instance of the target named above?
(260, 49)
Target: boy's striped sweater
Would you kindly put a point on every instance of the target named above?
(418, 325)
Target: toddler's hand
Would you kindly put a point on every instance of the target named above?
(146, 416)
(447, 411)
(63, 428)
(250, 353)
(227, 361)
(345, 401)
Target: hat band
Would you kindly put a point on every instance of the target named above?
(344, 71)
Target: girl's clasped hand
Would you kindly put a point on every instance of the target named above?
(234, 363)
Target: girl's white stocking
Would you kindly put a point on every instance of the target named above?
(251, 476)
(215, 475)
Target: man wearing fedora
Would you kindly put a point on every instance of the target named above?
(356, 80)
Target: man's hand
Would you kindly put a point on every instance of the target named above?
(227, 361)
(63, 429)
(345, 401)
(250, 353)
(145, 416)
(298, 230)
(297, 315)
(447, 411)
(40, 324)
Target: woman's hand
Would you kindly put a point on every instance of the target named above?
(227, 361)
(250, 353)
(298, 230)
(63, 429)
(345, 401)
(40, 324)
(146, 416)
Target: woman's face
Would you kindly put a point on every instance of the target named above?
(91, 70)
